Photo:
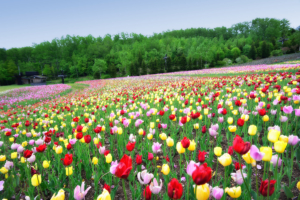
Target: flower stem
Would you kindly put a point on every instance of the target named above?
(268, 195)
(243, 175)
(256, 174)
(123, 183)
(216, 172)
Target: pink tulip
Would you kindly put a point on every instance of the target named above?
(217, 192)
(154, 187)
(288, 109)
(274, 161)
(191, 167)
(113, 167)
(237, 177)
(297, 112)
(293, 140)
(256, 154)
(156, 147)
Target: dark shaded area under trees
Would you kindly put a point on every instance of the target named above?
(135, 54)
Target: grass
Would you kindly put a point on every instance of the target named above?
(11, 87)
(78, 86)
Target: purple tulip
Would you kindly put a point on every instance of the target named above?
(274, 161)
(113, 167)
(288, 109)
(79, 192)
(144, 177)
(283, 118)
(221, 119)
(31, 159)
(154, 187)
(217, 192)
(297, 112)
(237, 177)
(31, 142)
(256, 154)
(212, 132)
(20, 149)
(273, 112)
(8, 164)
(293, 140)
(156, 147)
(1, 185)
(14, 146)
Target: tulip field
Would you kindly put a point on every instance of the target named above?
(234, 135)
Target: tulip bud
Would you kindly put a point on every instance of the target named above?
(69, 171)
(252, 130)
(2, 158)
(14, 155)
(230, 120)
(225, 159)
(46, 164)
(265, 118)
(170, 142)
(59, 150)
(165, 169)
(108, 158)
(95, 160)
(180, 148)
(163, 136)
(218, 151)
(192, 146)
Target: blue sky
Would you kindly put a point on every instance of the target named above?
(24, 22)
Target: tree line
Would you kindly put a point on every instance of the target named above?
(135, 54)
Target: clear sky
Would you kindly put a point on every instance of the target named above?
(24, 22)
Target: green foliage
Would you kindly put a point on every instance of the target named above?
(99, 66)
(276, 53)
(136, 54)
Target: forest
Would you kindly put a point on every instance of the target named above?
(135, 54)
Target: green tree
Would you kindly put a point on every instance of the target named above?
(99, 66)
(236, 52)
(252, 52)
(265, 51)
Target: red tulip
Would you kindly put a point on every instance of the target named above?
(41, 148)
(130, 146)
(240, 146)
(67, 160)
(230, 150)
(47, 139)
(79, 136)
(183, 120)
(150, 156)
(238, 103)
(122, 112)
(27, 153)
(224, 111)
(175, 189)
(237, 166)
(268, 106)
(79, 128)
(76, 119)
(172, 117)
(86, 120)
(138, 159)
(69, 146)
(107, 187)
(185, 142)
(161, 113)
(240, 122)
(159, 126)
(201, 156)
(98, 129)
(87, 139)
(147, 193)
(195, 115)
(263, 189)
(124, 167)
(203, 129)
(262, 112)
(111, 124)
(202, 174)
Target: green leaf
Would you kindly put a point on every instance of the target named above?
(288, 192)
(254, 195)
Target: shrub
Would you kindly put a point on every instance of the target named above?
(277, 52)
(221, 63)
(227, 61)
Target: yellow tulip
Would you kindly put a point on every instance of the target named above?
(298, 185)
(149, 136)
(230, 120)
(232, 129)
(120, 131)
(36, 180)
(284, 138)
(104, 196)
(205, 111)
(14, 155)
(60, 195)
(234, 192)
(203, 191)
(196, 126)
(273, 135)
(59, 149)
(165, 169)
(24, 144)
(163, 136)
(268, 153)
(248, 159)
(265, 118)
(3, 170)
(108, 158)
(225, 159)
(69, 171)
(252, 130)
(245, 117)
(84, 129)
(170, 142)
(192, 146)
(152, 125)
(141, 131)
(218, 151)
(46, 164)
(2, 158)
(23, 160)
(180, 148)
(95, 160)
(280, 146)
(235, 112)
